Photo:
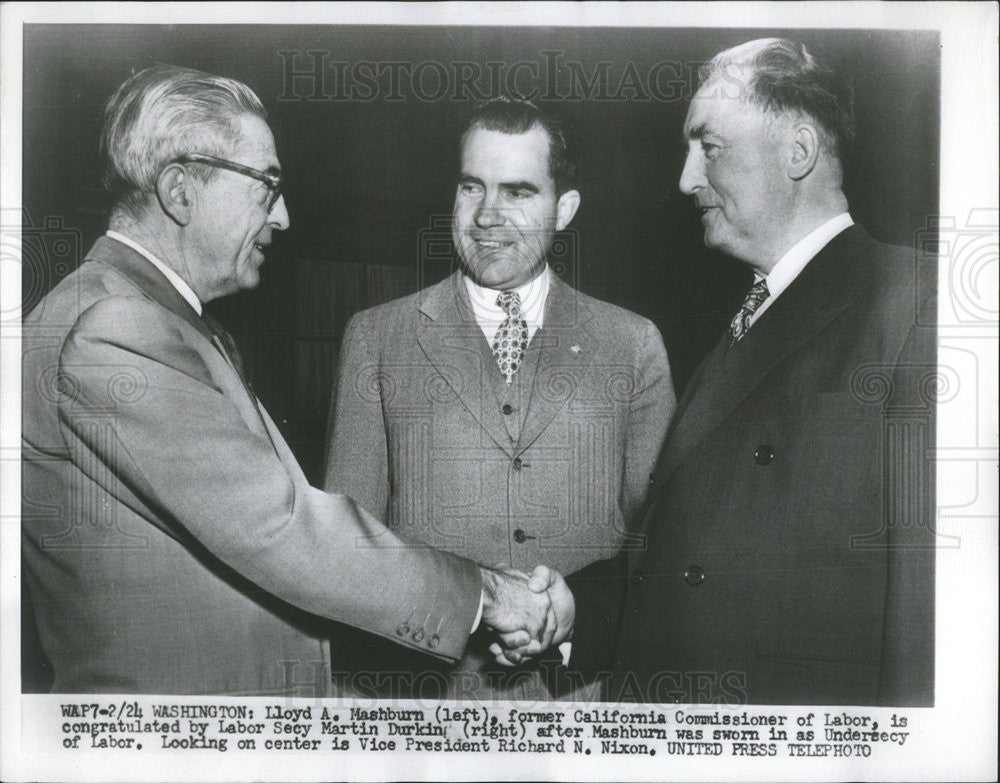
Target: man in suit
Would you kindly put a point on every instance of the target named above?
(790, 540)
(499, 414)
(171, 543)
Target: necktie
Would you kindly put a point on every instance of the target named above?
(228, 348)
(511, 338)
(741, 321)
(226, 345)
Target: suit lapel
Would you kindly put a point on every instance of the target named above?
(453, 343)
(148, 279)
(566, 348)
(820, 293)
(151, 282)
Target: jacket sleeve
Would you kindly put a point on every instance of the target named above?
(650, 411)
(907, 665)
(356, 447)
(140, 413)
(599, 593)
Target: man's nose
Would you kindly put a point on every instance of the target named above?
(693, 175)
(488, 215)
(278, 216)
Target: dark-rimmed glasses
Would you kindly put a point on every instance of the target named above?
(272, 181)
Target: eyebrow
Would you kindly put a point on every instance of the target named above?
(697, 132)
(531, 187)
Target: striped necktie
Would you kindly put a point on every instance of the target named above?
(741, 321)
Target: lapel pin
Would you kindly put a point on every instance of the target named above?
(575, 348)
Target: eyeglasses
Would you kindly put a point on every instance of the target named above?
(272, 181)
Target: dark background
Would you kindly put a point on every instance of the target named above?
(370, 163)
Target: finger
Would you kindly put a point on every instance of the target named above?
(509, 658)
(515, 639)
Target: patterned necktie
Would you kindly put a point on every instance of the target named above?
(741, 321)
(511, 339)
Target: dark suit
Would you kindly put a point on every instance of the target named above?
(426, 434)
(171, 543)
(789, 555)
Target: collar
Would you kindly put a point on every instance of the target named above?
(801, 253)
(175, 280)
(488, 314)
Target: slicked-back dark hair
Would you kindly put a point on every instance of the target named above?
(513, 115)
(782, 77)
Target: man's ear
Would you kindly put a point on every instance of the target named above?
(569, 203)
(805, 144)
(173, 191)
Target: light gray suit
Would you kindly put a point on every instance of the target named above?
(426, 434)
(171, 542)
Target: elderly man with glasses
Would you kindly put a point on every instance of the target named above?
(171, 543)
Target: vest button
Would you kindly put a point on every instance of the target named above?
(763, 455)
(507, 409)
(694, 575)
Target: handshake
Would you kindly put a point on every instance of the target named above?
(528, 614)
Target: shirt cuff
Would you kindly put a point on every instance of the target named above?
(479, 614)
(565, 650)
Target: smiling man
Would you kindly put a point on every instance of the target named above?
(499, 414)
(170, 540)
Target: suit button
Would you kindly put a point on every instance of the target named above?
(507, 410)
(652, 479)
(636, 579)
(517, 463)
(694, 575)
(434, 641)
(764, 455)
(418, 635)
(519, 536)
(402, 629)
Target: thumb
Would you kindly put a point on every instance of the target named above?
(541, 578)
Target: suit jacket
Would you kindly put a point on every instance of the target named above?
(790, 549)
(426, 434)
(171, 542)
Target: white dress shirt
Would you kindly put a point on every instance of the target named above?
(794, 261)
(175, 279)
(490, 316)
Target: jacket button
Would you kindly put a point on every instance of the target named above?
(652, 479)
(694, 575)
(418, 635)
(434, 641)
(507, 410)
(517, 463)
(402, 629)
(519, 536)
(764, 455)
(636, 579)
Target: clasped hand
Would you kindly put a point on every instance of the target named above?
(528, 614)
